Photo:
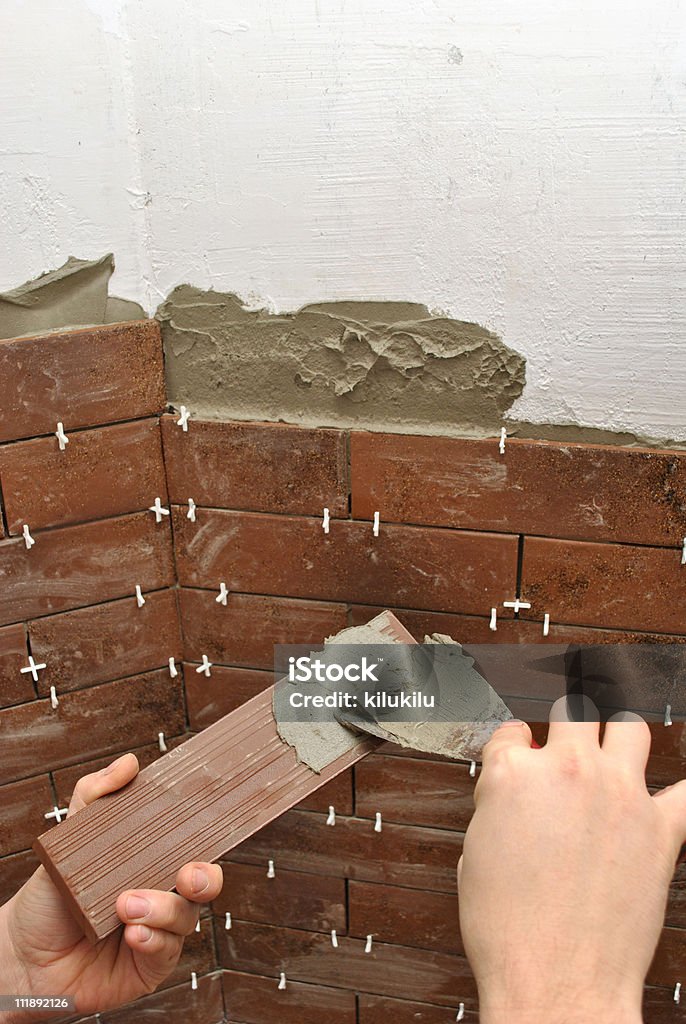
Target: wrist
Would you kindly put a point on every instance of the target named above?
(581, 1011)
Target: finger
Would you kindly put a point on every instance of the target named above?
(165, 910)
(155, 952)
(107, 780)
(199, 881)
(627, 738)
(574, 720)
(672, 803)
(511, 734)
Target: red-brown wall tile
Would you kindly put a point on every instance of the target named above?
(81, 378)
(407, 917)
(381, 1010)
(14, 871)
(416, 567)
(208, 699)
(582, 491)
(90, 723)
(399, 854)
(266, 467)
(79, 565)
(105, 472)
(309, 956)
(414, 792)
(292, 899)
(252, 999)
(610, 585)
(24, 805)
(203, 1005)
(105, 641)
(337, 794)
(245, 631)
(15, 686)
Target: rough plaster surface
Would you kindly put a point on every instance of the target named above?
(348, 363)
(515, 165)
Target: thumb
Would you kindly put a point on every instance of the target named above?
(672, 803)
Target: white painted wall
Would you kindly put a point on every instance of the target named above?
(519, 163)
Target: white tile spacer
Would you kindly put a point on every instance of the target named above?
(377, 823)
(33, 668)
(191, 510)
(334, 938)
(227, 921)
(140, 600)
(677, 992)
(326, 521)
(516, 604)
(331, 820)
(162, 744)
(223, 594)
(205, 666)
(472, 770)
(546, 623)
(668, 714)
(62, 438)
(271, 870)
(159, 510)
(53, 697)
(173, 670)
(57, 813)
(197, 927)
(460, 1012)
(368, 944)
(28, 539)
(194, 980)
(683, 553)
(375, 527)
(183, 419)
(282, 981)
(493, 624)
(503, 435)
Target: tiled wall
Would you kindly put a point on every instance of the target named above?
(590, 535)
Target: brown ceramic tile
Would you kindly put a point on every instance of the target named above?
(261, 780)
(610, 585)
(14, 871)
(676, 907)
(79, 565)
(96, 722)
(245, 631)
(408, 917)
(266, 467)
(209, 699)
(669, 962)
(203, 1005)
(582, 491)
(474, 629)
(198, 955)
(252, 999)
(659, 1006)
(292, 899)
(65, 779)
(105, 472)
(422, 858)
(381, 1010)
(387, 970)
(414, 792)
(337, 794)
(408, 566)
(106, 641)
(15, 686)
(81, 378)
(24, 805)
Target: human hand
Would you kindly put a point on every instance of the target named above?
(44, 952)
(565, 871)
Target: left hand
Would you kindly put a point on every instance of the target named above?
(44, 952)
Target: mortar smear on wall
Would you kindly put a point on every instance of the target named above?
(367, 364)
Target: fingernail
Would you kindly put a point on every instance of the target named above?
(511, 721)
(144, 933)
(111, 767)
(199, 881)
(136, 907)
